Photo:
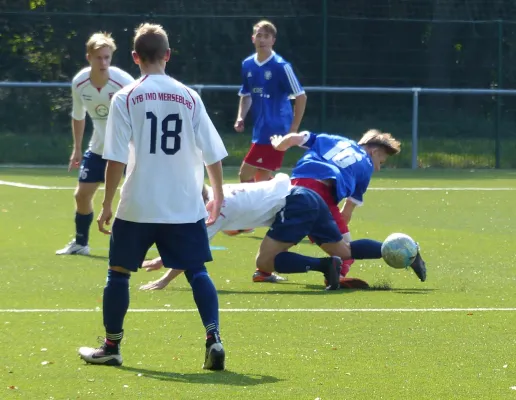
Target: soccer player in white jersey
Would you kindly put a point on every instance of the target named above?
(245, 205)
(161, 130)
(268, 83)
(92, 90)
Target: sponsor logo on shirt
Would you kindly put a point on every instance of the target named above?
(102, 111)
(249, 74)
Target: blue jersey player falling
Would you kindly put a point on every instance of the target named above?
(338, 168)
(268, 83)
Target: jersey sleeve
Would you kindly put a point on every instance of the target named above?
(118, 131)
(357, 196)
(308, 139)
(206, 136)
(244, 89)
(289, 81)
(78, 109)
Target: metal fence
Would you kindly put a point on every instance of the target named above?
(413, 119)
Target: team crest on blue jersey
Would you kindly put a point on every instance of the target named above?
(249, 74)
(268, 75)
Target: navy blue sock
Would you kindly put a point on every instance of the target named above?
(205, 296)
(115, 304)
(293, 263)
(82, 228)
(366, 249)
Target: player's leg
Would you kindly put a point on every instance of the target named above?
(128, 246)
(91, 174)
(271, 160)
(247, 172)
(263, 175)
(186, 247)
(291, 225)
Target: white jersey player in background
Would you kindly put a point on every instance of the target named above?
(245, 205)
(92, 90)
(160, 129)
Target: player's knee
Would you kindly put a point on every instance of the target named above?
(193, 274)
(82, 197)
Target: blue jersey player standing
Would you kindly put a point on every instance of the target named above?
(337, 168)
(268, 83)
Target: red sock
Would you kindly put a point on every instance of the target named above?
(263, 272)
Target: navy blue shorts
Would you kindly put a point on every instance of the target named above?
(305, 214)
(93, 167)
(181, 246)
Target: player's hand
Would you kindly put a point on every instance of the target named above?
(239, 125)
(75, 160)
(105, 219)
(155, 285)
(213, 208)
(276, 140)
(152, 265)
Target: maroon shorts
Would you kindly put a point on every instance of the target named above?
(264, 156)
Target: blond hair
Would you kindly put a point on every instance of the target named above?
(267, 26)
(150, 42)
(99, 40)
(374, 137)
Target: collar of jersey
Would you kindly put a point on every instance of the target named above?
(261, 64)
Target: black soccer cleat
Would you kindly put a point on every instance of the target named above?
(332, 273)
(215, 355)
(419, 267)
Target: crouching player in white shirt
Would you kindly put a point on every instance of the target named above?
(291, 213)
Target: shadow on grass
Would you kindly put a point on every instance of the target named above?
(209, 378)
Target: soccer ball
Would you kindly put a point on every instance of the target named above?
(399, 250)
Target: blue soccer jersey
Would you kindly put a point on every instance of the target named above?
(338, 158)
(270, 84)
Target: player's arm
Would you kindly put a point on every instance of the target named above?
(294, 88)
(213, 151)
(299, 111)
(347, 210)
(78, 125)
(116, 152)
(302, 139)
(162, 282)
(244, 104)
(355, 200)
(215, 176)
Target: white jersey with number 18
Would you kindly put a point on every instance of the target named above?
(161, 130)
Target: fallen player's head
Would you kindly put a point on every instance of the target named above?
(379, 145)
(150, 44)
(99, 50)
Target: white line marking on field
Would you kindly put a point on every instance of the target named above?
(262, 310)
(440, 189)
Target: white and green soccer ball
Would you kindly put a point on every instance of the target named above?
(399, 250)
